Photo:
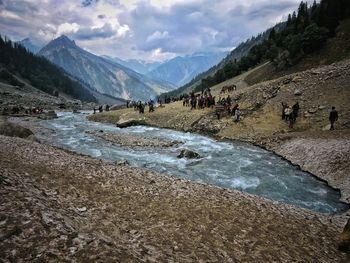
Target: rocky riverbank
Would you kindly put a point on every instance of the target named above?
(134, 141)
(61, 206)
(309, 144)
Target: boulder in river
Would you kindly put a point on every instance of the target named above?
(130, 122)
(51, 114)
(185, 153)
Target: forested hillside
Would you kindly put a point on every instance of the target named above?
(305, 32)
(41, 73)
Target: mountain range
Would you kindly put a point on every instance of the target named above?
(177, 71)
(181, 70)
(140, 66)
(105, 76)
(127, 79)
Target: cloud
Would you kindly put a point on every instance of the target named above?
(158, 36)
(86, 3)
(145, 29)
(67, 28)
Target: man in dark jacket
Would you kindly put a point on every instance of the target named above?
(333, 117)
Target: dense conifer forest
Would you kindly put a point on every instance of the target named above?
(38, 71)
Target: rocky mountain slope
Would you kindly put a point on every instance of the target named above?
(101, 74)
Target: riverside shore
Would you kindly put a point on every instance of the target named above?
(62, 206)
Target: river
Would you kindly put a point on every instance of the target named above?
(224, 164)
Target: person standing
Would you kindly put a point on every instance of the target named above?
(333, 117)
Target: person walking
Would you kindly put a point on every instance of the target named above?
(333, 117)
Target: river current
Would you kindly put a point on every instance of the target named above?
(224, 164)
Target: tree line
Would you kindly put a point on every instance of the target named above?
(40, 72)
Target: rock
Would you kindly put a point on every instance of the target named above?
(297, 92)
(185, 153)
(14, 130)
(122, 163)
(344, 238)
(287, 81)
(32, 138)
(297, 78)
(130, 122)
(51, 114)
(81, 209)
(321, 107)
(312, 110)
(326, 128)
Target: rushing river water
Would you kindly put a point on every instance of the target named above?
(229, 165)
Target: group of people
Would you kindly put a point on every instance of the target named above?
(199, 101)
(33, 110)
(223, 105)
(100, 108)
(290, 114)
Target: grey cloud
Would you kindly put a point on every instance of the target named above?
(87, 33)
(21, 7)
(192, 26)
(86, 3)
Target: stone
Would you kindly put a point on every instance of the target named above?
(344, 238)
(185, 153)
(321, 107)
(122, 163)
(14, 130)
(312, 110)
(82, 209)
(51, 114)
(130, 122)
(287, 81)
(297, 92)
(297, 78)
(326, 128)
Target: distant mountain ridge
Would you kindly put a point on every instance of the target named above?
(104, 75)
(181, 70)
(140, 66)
(28, 44)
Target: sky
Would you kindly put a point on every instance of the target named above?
(152, 30)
